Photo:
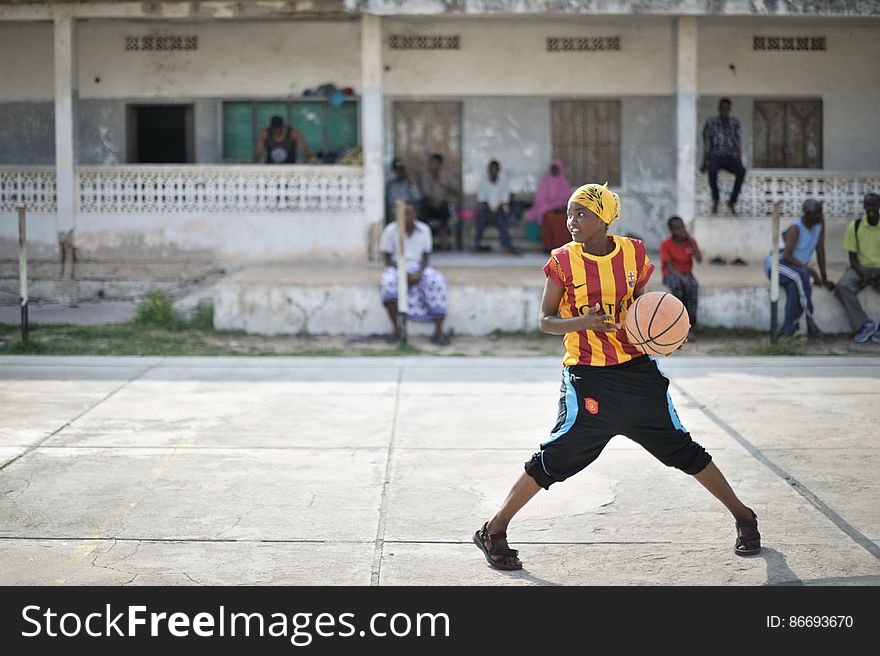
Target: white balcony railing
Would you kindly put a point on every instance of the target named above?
(304, 188)
(34, 186)
(190, 189)
(841, 193)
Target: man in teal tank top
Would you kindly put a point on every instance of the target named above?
(805, 236)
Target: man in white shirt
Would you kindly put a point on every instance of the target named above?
(493, 196)
(426, 295)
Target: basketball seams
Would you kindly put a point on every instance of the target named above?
(656, 309)
(650, 343)
(675, 321)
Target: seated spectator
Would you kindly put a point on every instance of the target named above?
(862, 241)
(439, 193)
(677, 255)
(552, 193)
(493, 196)
(796, 246)
(400, 187)
(426, 297)
(722, 150)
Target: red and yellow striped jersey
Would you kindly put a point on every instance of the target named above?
(609, 280)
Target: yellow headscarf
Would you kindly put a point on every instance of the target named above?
(598, 198)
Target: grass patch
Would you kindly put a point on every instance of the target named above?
(783, 346)
(157, 311)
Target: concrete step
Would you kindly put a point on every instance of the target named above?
(487, 292)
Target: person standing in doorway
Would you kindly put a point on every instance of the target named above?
(722, 150)
(279, 142)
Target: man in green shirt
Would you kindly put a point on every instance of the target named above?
(862, 241)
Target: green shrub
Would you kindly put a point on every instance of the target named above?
(157, 311)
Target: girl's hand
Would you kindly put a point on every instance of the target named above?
(596, 319)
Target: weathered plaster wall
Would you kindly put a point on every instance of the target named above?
(845, 76)
(508, 56)
(274, 59)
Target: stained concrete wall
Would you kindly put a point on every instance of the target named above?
(275, 59)
(102, 129)
(27, 132)
(843, 76)
(27, 111)
(26, 62)
(508, 56)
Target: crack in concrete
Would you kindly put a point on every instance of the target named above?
(192, 579)
(226, 530)
(116, 569)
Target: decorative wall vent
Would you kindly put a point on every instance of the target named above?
(155, 43)
(581, 43)
(788, 43)
(423, 42)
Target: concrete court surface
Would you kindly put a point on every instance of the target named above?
(377, 471)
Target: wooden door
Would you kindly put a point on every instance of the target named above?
(787, 134)
(423, 128)
(586, 137)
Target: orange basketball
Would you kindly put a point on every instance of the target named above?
(657, 323)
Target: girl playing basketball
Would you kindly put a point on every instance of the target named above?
(608, 386)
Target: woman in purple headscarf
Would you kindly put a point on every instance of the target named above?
(553, 192)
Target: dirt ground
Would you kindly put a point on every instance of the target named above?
(517, 345)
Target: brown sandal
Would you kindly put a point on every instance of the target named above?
(748, 540)
(483, 535)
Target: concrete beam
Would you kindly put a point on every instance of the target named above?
(686, 115)
(616, 7)
(171, 9)
(65, 76)
(372, 127)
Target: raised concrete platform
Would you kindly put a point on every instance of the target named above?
(486, 293)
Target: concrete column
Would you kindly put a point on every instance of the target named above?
(65, 72)
(686, 116)
(372, 133)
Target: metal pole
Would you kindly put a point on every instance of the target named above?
(774, 272)
(22, 271)
(402, 280)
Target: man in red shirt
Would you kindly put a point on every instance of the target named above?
(677, 254)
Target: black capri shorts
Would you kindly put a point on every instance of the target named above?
(597, 403)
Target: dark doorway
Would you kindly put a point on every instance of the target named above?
(160, 134)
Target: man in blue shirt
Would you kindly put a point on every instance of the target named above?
(805, 236)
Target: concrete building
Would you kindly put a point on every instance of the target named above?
(88, 86)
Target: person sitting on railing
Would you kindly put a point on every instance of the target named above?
(862, 242)
(426, 296)
(796, 246)
(722, 150)
(677, 254)
(279, 143)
